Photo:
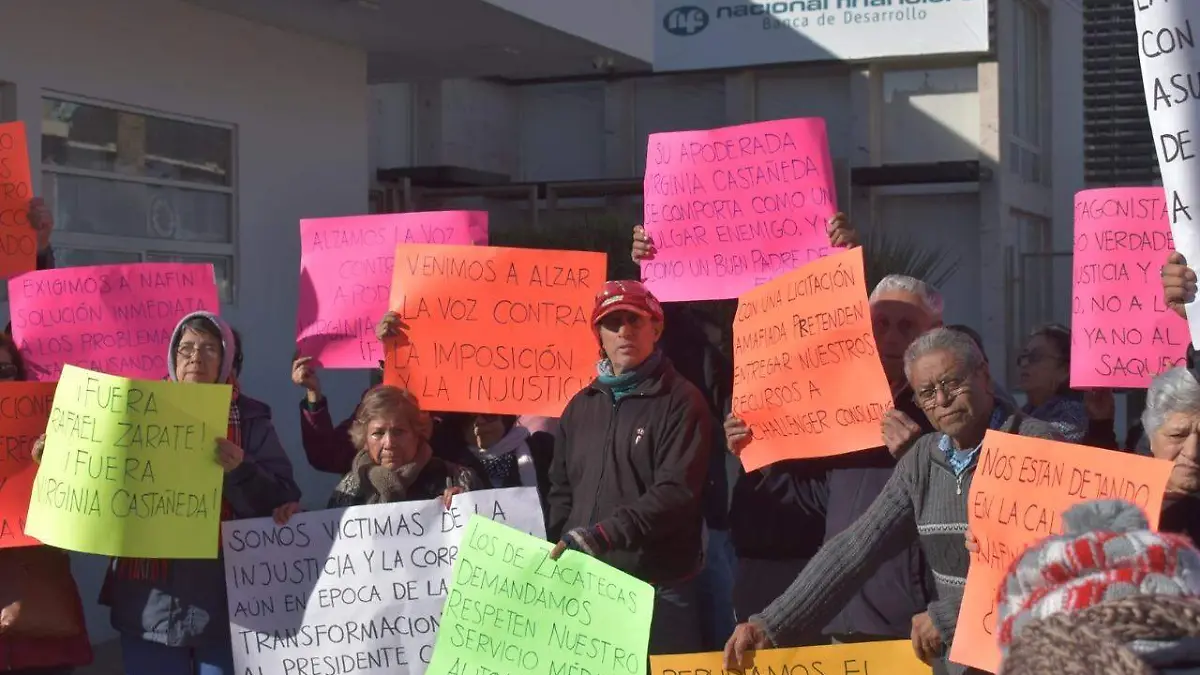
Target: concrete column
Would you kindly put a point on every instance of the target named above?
(427, 123)
(993, 219)
(620, 132)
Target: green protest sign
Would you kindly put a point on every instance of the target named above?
(510, 607)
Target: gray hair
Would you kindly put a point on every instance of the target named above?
(1173, 391)
(930, 297)
(959, 345)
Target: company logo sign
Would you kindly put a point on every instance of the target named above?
(685, 21)
(704, 34)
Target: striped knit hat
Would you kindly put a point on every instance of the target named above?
(1107, 554)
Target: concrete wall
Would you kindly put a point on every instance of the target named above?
(919, 111)
(623, 25)
(300, 108)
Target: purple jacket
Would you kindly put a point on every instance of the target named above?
(328, 448)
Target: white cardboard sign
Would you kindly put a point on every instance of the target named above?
(356, 589)
(1166, 34)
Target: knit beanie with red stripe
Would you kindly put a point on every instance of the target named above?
(1107, 553)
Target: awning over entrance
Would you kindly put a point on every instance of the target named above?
(518, 39)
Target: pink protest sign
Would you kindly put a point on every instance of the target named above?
(1122, 332)
(732, 208)
(115, 319)
(346, 277)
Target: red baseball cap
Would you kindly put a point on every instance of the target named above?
(631, 296)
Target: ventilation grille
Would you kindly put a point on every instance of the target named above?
(1118, 145)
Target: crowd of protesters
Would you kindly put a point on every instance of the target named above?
(869, 546)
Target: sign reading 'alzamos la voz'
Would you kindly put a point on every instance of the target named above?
(696, 34)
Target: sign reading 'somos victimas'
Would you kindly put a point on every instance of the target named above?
(695, 34)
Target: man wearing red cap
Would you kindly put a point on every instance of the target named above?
(630, 460)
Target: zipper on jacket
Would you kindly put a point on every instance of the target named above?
(609, 446)
(958, 477)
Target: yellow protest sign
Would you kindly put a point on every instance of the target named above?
(894, 657)
(130, 467)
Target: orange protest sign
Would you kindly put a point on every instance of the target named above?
(807, 378)
(1020, 490)
(494, 330)
(892, 657)
(18, 241)
(24, 409)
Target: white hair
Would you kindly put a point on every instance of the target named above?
(1173, 391)
(959, 345)
(930, 297)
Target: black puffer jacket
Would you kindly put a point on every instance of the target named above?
(700, 362)
(901, 587)
(637, 468)
(778, 511)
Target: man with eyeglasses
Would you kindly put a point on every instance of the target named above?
(891, 603)
(925, 503)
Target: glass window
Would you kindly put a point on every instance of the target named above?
(221, 265)
(75, 257)
(1028, 91)
(94, 138)
(129, 186)
(104, 206)
(1037, 270)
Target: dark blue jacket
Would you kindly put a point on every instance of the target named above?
(902, 587)
(183, 603)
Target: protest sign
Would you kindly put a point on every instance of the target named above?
(18, 241)
(345, 590)
(892, 657)
(346, 273)
(731, 208)
(1019, 491)
(24, 411)
(1122, 333)
(513, 609)
(494, 330)
(1167, 52)
(130, 467)
(116, 319)
(807, 378)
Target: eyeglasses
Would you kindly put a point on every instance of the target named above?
(950, 387)
(1053, 328)
(1034, 358)
(187, 351)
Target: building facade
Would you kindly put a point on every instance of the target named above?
(977, 153)
(206, 129)
(1119, 146)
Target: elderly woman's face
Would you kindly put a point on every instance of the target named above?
(391, 440)
(1042, 368)
(953, 397)
(198, 357)
(1176, 441)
